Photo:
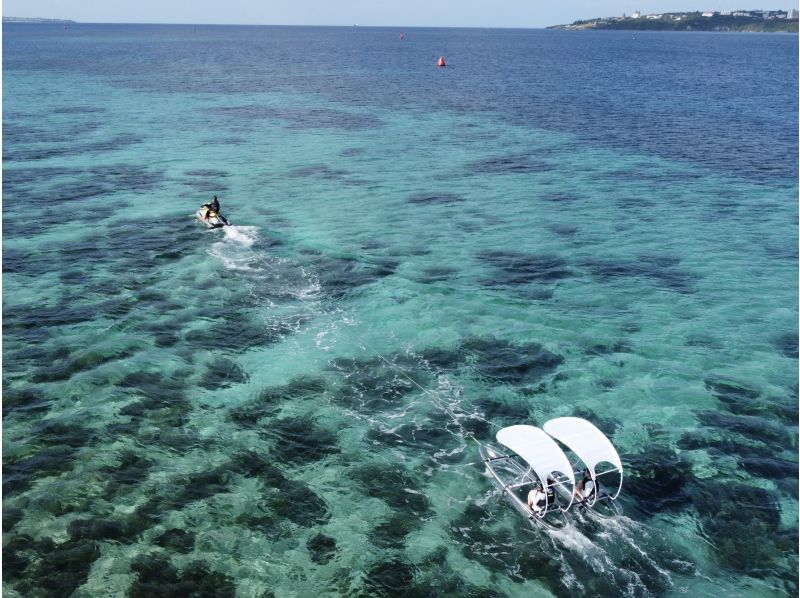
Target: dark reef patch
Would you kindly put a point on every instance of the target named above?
(25, 400)
(723, 444)
(326, 118)
(559, 197)
(478, 426)
(497, 549)
(322, 548)
(300, 440)
(391, 578)
(11, 517)
(434, 571)
(496, 410)
(200, 486)
(299, 118)
(59, 433)
(131, 470)
(606, 425)
(263, 522)
(662, 269)
(180, 493)
(436, 274)
(223, 373)
(214, 174)
(340, 276)
(435, 198)
(740, 400)
(509, 165)
(732, 513)
(249, 414)
(165, 339)
(239, 333)
(430, 437)
(283, 497)
(788, 344)
(85, 360)
(442, 359)
(350, 152)
(503, 362)
(296, 502)
(33, 323)
(58, 569)
(154, 385)
(515, 268)
(177, 494)
(178, 540)
(95, 529)
(14, 178)
(71, 149)
(156, 576)
(79, 110)
(564, 230)
(372, 385)
(609, 349)
(657, 480)
(20, 474)
(392, 533)
(769, 467)
(757, 428)
(168, 410)
(392, 486)
(18, 553)
(319, 171)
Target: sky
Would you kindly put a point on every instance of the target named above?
(405, 13)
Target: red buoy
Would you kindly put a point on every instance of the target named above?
(441, 61)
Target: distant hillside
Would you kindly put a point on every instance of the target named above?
(34, 20)
(741, 20)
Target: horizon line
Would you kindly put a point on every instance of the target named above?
(64, 21)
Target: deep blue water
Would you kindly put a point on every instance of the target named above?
(601, 224)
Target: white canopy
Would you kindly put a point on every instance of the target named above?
(538, 449)
(585, 440)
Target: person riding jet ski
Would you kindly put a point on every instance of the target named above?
(211, 210)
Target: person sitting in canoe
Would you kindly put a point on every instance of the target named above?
(586, 487)
(539, 499)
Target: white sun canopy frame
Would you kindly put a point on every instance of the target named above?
(587, 442)
(539, 450)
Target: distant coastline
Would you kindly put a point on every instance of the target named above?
(773, 21)
(34, 20)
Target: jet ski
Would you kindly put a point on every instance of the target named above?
(211, 219)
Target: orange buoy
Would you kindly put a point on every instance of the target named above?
(441, 61)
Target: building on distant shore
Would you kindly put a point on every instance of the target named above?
(791, 13)
(636, 14)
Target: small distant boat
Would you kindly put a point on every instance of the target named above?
(537, 461)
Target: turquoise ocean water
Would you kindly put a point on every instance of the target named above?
(599, 224)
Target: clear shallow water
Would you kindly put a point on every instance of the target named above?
(593, 224)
